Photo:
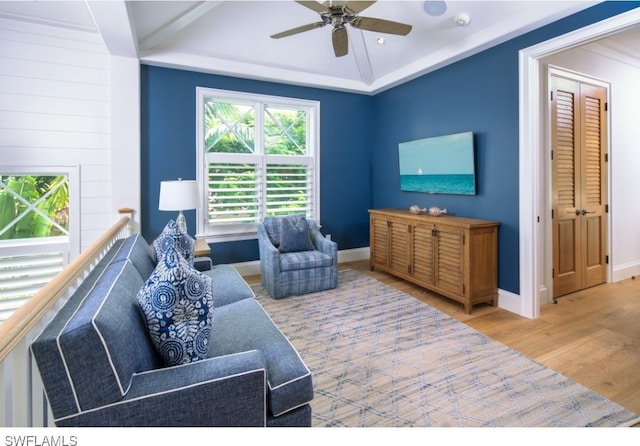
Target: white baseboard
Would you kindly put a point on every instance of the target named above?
(353, 255)
(510, 301)
(506, 299)
(625, 271)
(346, 255)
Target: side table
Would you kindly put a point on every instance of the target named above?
(202, 248)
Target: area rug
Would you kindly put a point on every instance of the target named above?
(380, 357)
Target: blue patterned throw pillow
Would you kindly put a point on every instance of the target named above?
(177, 303)
(294, 237)
(171, 236)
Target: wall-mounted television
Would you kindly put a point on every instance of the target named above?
(438, 165)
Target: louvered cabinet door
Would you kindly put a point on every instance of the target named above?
(399, 246)
(422, 254)
(379, 243)
(449, 259)
(578, 185)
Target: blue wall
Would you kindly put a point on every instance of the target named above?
(359, 141)
(478, 94)
(169, 151)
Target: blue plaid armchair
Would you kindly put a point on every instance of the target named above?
(299, 272)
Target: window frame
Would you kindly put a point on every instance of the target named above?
(68, 246)
(235, 232)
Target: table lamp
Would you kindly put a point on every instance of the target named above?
(180, 195)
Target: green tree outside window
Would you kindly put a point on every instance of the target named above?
(33, 206)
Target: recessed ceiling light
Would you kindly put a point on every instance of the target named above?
(380, 40)
(462, 19)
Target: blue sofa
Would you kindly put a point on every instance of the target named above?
(99, 367)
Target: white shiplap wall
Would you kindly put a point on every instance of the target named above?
(55, 111)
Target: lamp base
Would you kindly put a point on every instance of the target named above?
(181, 222)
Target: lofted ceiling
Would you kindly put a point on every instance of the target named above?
(233, 37)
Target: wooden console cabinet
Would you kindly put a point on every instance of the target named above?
(453, 256)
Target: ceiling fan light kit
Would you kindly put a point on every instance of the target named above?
(338, 15)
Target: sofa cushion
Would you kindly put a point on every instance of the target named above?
(294, 236)
(228, 285)
(244, 325)
(177, 303)
(171, 236)
(136, 249)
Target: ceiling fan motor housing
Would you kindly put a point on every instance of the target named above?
(338, 16)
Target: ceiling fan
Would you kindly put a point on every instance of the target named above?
(340, 13)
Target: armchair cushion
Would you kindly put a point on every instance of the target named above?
(294, 236)
(177, 302)
(293, 261)
(171, 236)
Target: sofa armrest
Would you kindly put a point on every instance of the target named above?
(223, 391)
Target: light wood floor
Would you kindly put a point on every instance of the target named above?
(592, 337)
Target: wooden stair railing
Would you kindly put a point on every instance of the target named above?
(22, 399)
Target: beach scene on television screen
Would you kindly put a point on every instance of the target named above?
(438, 165)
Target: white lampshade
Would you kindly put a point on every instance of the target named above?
(179, 196)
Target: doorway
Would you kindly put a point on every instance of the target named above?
(535, 278)
(579, 199)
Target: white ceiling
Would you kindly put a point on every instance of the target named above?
(232, 37)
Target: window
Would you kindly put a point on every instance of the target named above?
(257, 156)
(34, 234)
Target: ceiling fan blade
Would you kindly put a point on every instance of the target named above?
(297, 30)
(381, 26)
(317, 7)
(340, 41)
(358, 6)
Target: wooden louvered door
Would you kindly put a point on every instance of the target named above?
(379, 242)
(390, 244)
(399, 246)
(422, 254)
(449, 259)
(437, 257)
(578, 138)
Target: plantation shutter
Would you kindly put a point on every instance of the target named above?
(24, 270)
(288, 189)
(233, 195)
